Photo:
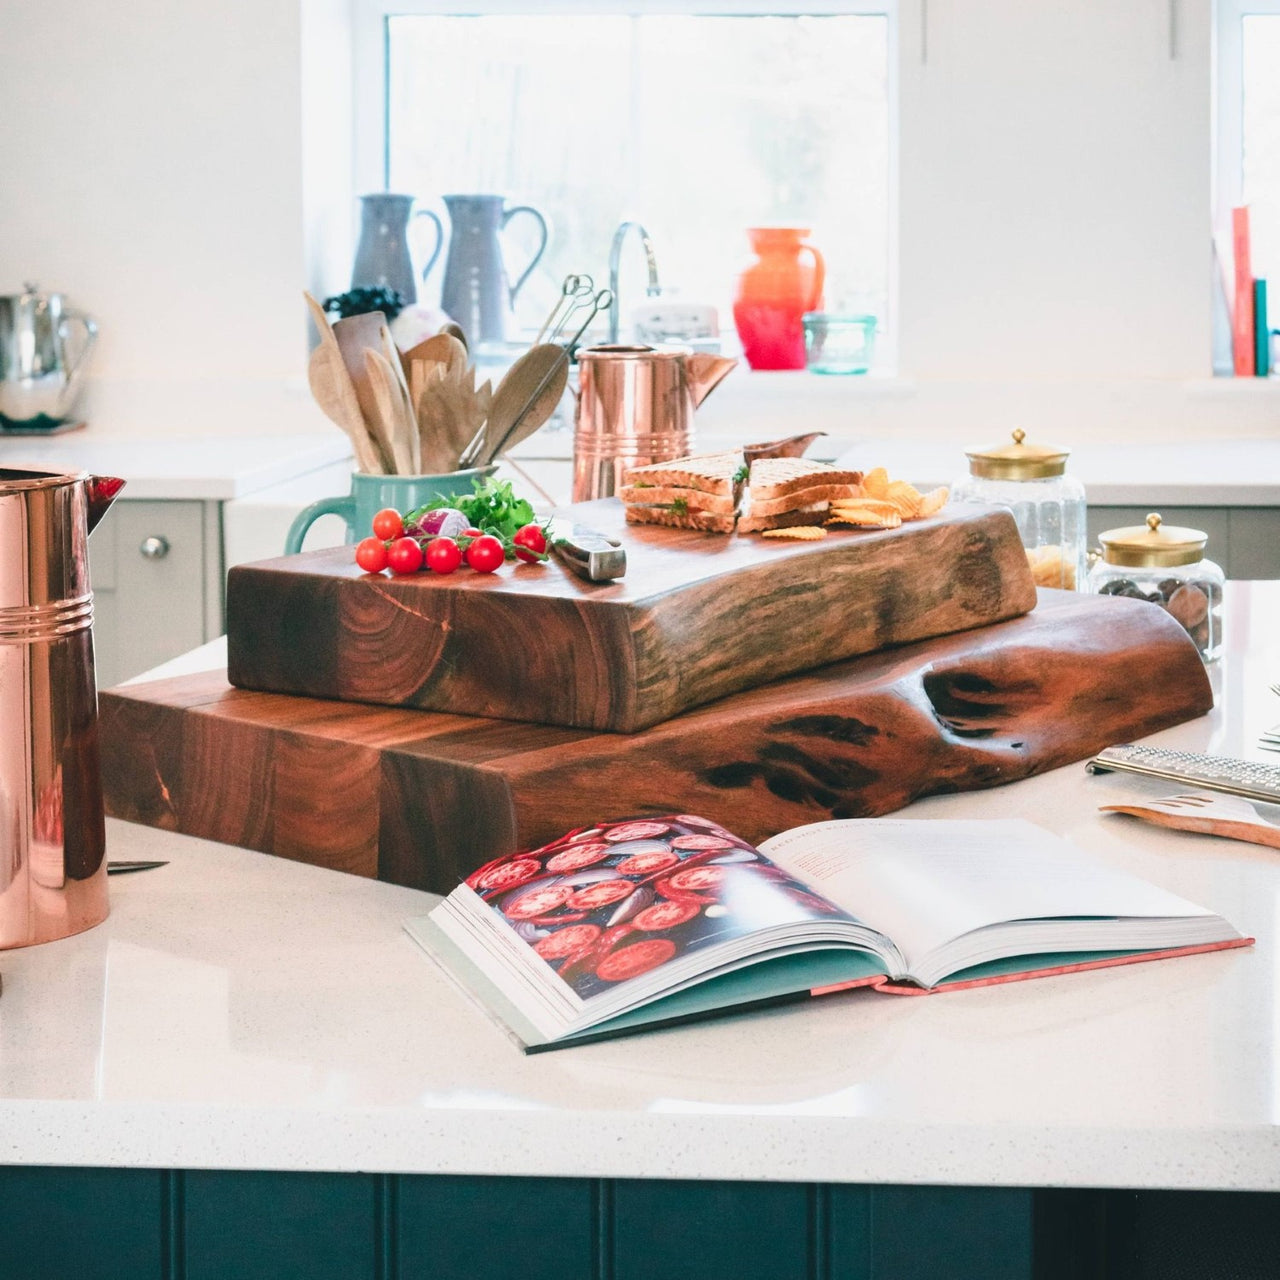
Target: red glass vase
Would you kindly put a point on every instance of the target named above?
(773, 294)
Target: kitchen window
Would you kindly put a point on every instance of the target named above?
(1248, 124)
(696, 125)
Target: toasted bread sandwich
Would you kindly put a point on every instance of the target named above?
(780, 490)
(686, 493)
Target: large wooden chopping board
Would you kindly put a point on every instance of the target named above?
(697, 616)
(423, 798)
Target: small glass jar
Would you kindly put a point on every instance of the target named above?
(1048, 505)
(835, 343)
(1166, 566)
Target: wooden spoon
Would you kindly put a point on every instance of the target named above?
(523, 383)
(443, 347)
(530, 419)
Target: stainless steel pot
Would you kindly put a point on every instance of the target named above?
(53, 875)
(44, 346)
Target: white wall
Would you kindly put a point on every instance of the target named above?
(1054, 212)
(152, 171)
(1055, 171)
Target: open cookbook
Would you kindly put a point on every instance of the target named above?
(635, 924)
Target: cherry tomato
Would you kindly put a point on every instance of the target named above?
(387, 524)
(404, 556)
(485, 554)
(472, 533)
(531, 543)
(371, 555)
(443, 555)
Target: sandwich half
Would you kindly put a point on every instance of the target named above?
(785, 492)
(700, 492)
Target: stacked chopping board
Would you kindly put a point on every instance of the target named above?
(414, 728)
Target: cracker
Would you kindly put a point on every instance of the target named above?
(801, 532)
(875, 484)
(933, 502)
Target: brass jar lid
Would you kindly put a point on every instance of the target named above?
(1152, 545)
(1017, 461)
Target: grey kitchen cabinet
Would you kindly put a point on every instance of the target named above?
(1245, 541)
(157, 573)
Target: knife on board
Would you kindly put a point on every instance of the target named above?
(589, 554)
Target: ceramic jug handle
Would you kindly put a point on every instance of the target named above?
(542, 248)
(435, 253)
(344, 506)
(819, 278)
(86, 345)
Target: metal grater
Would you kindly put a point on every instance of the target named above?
(1247, 778)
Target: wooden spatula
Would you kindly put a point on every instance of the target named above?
(392, 413)
(1211, 815)
(356, 335)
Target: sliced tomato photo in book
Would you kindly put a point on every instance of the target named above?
(641, 922)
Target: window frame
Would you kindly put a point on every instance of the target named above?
(1228, 100)
(371, 161)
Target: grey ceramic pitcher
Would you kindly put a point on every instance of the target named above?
(382, 256)
(476, 292)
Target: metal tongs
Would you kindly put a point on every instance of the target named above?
(589, 554)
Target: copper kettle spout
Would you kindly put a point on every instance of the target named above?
(101, 492)
(705, 373)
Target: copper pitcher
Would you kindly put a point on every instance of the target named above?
(53, 871)
(635, 406)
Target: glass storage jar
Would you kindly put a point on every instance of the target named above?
(1047, 504)
(1167, 566)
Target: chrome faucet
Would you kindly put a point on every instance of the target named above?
(615, 254)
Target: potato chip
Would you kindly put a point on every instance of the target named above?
(904, 496)
(867, 519)
(875, 484)
(874, 505)
(934, 501)
(801, 532)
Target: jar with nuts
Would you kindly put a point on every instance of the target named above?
(1166, 566)
(1048, 505)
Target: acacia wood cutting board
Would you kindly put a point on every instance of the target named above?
(423, 798)
(698, 616)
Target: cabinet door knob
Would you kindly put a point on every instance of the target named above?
(155, 547)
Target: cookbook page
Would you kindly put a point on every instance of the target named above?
(621, 900)
(924, 883)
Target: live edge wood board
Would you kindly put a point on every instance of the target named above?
(423, 798)
(698, 616)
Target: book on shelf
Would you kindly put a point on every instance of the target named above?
(1242, 333)
(1261, 331)
(630, 925)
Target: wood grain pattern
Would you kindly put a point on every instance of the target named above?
(423, 798)
(697, 617)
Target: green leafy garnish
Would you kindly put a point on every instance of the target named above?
(493, 507)
(740, 476)
(680, 506)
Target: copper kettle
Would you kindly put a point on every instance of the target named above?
(53, 872)
(635, 406)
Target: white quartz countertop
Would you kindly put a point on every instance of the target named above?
(194, 467)
(241, 1011)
